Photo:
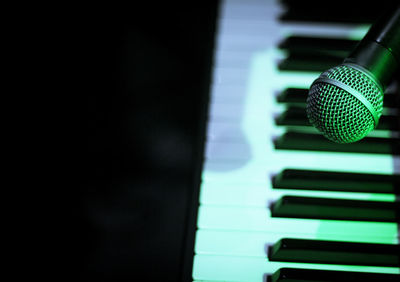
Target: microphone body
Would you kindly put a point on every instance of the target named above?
(346, 101)
(379, 51)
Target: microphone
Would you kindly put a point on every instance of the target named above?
(346, 101)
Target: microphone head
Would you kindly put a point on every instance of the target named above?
(345, 103)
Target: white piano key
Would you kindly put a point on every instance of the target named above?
(270, 77)
(222, 94)
(247, 243)
(263, 155)
(262, 195)
(226, 112)
(256, 27)
(230, 75)
(247, 42)
(229, 59)
(252, 10)
(250, 16)
(256, 172)
(224, 131)
(259, 219)
(248, 269)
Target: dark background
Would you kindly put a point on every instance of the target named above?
(147, 72)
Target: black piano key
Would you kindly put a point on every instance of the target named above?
(309, 62)
(311, 45)
(316, 275)
(292, 15)
(333, 252)
(388, 122)
(293, 96)
(293, 116)
(299, 96)
(317, 11)
(337, 181)
(336, 209)
(296, 116)
(315, 142)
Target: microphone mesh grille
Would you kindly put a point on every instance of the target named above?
(340, 116)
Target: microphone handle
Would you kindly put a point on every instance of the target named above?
(378, 53)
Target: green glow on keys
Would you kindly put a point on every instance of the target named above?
(259, 219)
(235, 227)
(233, 268)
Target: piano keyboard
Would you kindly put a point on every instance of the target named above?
(260, 153)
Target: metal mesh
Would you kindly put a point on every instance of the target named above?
(340, 116)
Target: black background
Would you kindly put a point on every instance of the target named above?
(147, 73)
